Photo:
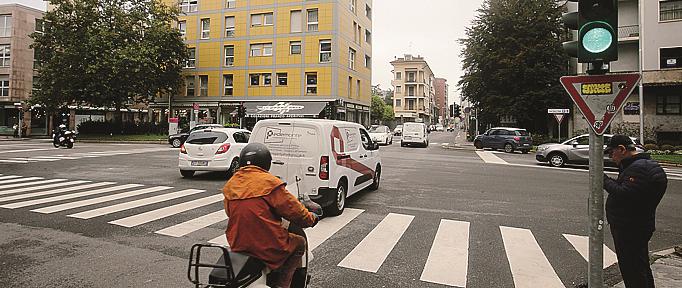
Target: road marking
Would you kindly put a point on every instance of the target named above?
(50, 192)
(9, 177)
(134, 204)
(69, 196)
(17, 180)
(41, 187)
(34, 159)
(164, 212)
(30, 183)
(329, 226)
(71, 205)
(434, 143)
(23, 150)
(39, 158)
(489, 157)
(448, 259)
(13, 161)
(220, 240)
(195, 224)
(373, 250)
(581, 244)
(529, 266)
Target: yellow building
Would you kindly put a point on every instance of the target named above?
(277, 58)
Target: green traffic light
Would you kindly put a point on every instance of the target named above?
(597, 40)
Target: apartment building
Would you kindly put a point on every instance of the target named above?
(17, 22)
(277, 58)
(414, 92)
(661, 42)
(441, 89)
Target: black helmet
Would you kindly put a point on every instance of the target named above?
(256, 154)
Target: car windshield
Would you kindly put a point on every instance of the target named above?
(206, 137)
(377, 129)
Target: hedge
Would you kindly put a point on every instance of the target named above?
(127, 128)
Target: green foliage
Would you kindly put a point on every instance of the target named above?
(513, 60)
(107, 53)
(377, 108)
(389, 115)
(231, 125)
(632, 130)
(650, 147)
(128, 128)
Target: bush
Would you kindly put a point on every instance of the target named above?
(127, 128)
(231, 125)
(678, 148)
(650, 147)
(667, 147)
(539, 139)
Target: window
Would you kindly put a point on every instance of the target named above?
(241, 137)
(205, 28)
(670, 10)
(366, 140)
(411, 77)
(410, 91)
(262, 19)
(203, 85)
(189, 85)
(229, 27)
(368, 11)
(312, 20)
(255, 79)
(282, 79)
(398, 103)
(192, 59)
(353, 3)
(228, 81)
(351, 58)
(187, 6)
(368, 62)
(295, 47)
(40, 25)
(357, 91)
(350, 87)
(267, 79)
(231, 4)
(398, 76)
(311, 83)
(671, 57)
(355, 32)
(229, 55)
(410, 104)
(263, 49)
(368, 37)
(182, 27)
(4, 85)
(4, 55)
(5, 25)
(296, 21)
(398, 89)
(325, 51)
(668, 104)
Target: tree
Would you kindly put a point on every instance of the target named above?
(107, 53)
(513, 60)
(377, 108)
(389, 115)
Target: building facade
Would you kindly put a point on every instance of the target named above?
(276, 58)
(661, 43)
(441, 89)
(414, 92)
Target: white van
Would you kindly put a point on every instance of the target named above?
(327, 160)
(414, 134)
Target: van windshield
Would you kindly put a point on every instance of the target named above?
(413, 128)
(204, 138)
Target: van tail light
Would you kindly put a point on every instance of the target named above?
(324, 168)
(517, 138)
(182, 149)
(223, 148)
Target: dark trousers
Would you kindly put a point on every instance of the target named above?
(632, 249)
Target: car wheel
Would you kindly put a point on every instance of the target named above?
(176, 143)
(402, 144)
(234, 166)
(187, 173)
(339, 201)
(557, 160)
(509, 148)
(478, 145)
(376, 180)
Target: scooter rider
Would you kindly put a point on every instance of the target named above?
(255, 202)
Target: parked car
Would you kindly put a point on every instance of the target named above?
(439, 128)
(176, 140)
(509, 139)
(212, 149)
(381, 134)
(573, 151)
(398, 131)
(327, 160)
(415, 134)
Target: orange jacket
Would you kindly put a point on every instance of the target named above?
(255, 203)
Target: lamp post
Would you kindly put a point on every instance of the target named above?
(20, 124)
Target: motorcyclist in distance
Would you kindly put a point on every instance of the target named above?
(255, 203)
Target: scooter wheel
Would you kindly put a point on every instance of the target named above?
(56, 145)
(69, 145)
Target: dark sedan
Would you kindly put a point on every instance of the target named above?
(178, 139)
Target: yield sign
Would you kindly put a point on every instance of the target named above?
(599, 97)
(559, 117)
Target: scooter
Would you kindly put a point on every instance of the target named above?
(65, 139)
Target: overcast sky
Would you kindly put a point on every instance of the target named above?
(429, 28)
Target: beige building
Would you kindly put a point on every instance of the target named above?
(17, 22)
(414, 92)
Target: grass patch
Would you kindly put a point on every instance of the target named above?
(152, 137)
(676, 159)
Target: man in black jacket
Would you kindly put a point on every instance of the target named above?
(631, 208)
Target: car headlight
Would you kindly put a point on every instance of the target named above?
(542, 148)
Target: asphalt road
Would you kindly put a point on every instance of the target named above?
(440, 215)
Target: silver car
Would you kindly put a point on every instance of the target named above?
(572, 151)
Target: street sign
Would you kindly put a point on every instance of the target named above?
(559, 118)
(599, 97)
(558, 111)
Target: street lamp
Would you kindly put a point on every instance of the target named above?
(20, 124)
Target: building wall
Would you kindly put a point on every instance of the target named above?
(440, 86)
(424, 95)
(657, 34)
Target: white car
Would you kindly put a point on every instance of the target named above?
(381, 134)
(213, 149)
(439, 128)
(415, 134)
(398, 131)
(325, 160)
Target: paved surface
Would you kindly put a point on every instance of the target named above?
(108, 215)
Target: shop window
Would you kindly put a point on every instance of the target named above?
(668, 104)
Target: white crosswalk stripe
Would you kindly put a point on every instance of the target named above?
(12, 161)
(56, 191)
(68, 196)
(373, 250)
(14, 180)
(195, 224)
(449, 256)
(329, 226)
(220, 240)
(134, 204)
(9, 177)
(30, 183)
(581, 244)
(530, 268)
(72, 205)
(150, 216)
(73, 156)
(489, 157)
(41, 187)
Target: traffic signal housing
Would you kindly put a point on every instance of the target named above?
(241, 111)
(597, 25)
(456, 111)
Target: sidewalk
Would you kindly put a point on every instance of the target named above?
(667, 269)
(460, 142)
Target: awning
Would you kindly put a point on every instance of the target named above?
(283, 109)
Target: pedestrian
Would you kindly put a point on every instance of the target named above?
(631, 208)
(16, 130)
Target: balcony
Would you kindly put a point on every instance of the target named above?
(628, 33)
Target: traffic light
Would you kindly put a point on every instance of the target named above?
(597, 25)
(452, 110)
(457, 112)
(329, 111)
(241, 111)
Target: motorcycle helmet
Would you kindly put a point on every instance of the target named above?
(256, 154)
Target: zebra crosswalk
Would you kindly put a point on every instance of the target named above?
(73, 155)
(447, 263)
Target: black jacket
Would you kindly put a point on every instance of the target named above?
(634, 196)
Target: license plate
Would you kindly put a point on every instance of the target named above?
(526, 144)
(199, 163)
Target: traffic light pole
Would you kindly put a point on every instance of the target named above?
(595, 277)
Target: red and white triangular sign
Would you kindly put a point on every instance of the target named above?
(599, 97)
(559, 117)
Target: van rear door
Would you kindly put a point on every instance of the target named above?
(276, 135)
(305, 151)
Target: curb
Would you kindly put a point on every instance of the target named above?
(457, 147)
(124, 142)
